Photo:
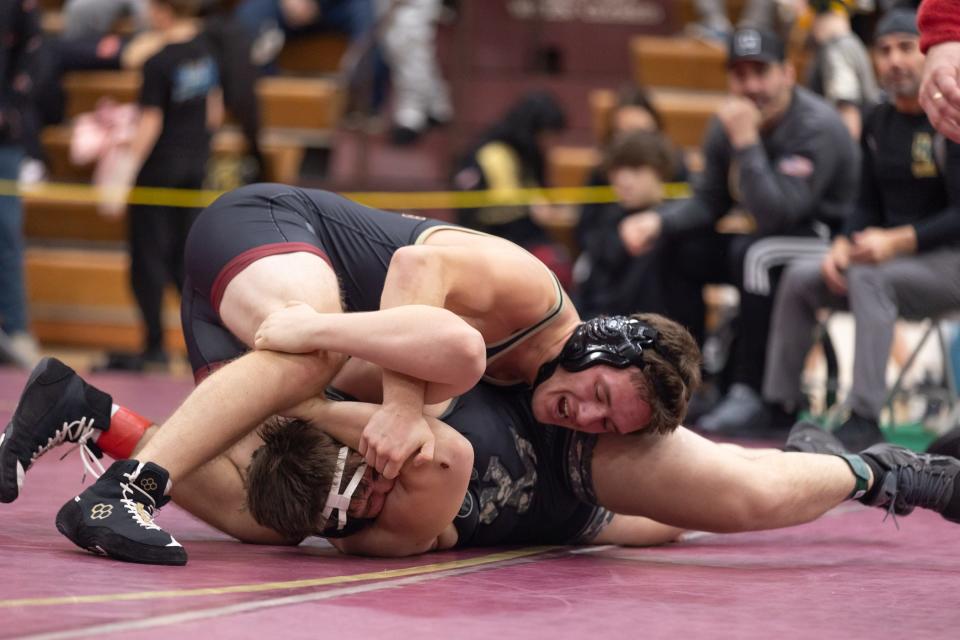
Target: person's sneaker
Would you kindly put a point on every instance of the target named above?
(912, 480)
(807, 437)
(114, 516)
(947, 444)
(743, 414)
(56, 406)
(858, 433)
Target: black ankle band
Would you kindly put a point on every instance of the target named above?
(861, 473)
(878, 472)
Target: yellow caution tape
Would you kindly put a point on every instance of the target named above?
(398, 200)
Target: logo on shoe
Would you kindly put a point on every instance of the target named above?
(144, 515)
(101, 511)
(148, 484)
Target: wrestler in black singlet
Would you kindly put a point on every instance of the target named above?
(520, 490)
(527, 485)
(260, 220)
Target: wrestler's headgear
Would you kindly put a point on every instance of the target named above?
(340, 502)
(615, 341)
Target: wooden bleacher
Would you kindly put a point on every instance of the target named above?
(77, 268)
(81, 297)
(681, 63)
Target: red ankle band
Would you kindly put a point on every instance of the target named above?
(126, 429)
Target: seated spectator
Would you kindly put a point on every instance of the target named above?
(272, 22)
(899, 254)
(769, 15)
(781, 154)
(509, 157)
(610, 280)
(841, 70)
(633, 111)
(181, 104)
(95, 18)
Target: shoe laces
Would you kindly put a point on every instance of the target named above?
(79, 432)
(926, 488)
(138, 503)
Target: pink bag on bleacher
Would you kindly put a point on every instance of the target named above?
(105, 135)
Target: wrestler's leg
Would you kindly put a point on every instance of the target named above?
(234, 400)
(687, 481)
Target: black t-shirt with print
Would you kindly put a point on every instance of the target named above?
(910, 176)
(177, 80)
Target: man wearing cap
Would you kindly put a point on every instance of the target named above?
(783, 155)
(899, 253)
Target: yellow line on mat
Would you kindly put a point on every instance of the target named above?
(279, 586)
(402, 200)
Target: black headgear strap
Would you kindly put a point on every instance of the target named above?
(616, 341)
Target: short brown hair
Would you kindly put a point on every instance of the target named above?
(671, 373)
(634, 149)
(289, 477)
(630, 95)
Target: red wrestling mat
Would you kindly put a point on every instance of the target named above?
(846, 576)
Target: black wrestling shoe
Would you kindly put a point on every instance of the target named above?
(807, 437)
(913, 479)
(114, 517)
(56, 406)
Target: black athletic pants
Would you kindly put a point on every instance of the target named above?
(157, 236)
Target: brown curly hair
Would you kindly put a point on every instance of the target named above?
(671, 373)
(289, 477)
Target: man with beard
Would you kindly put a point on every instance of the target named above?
(899, 254)
(783, 155)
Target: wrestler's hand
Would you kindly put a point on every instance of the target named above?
(393, 434)
(940, 91)
(289, 330)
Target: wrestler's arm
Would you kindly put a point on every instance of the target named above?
(424, 500)
(635, 531)
(489, 280)
(425, 342)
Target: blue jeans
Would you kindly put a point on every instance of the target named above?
(351, 17)
(13, 302)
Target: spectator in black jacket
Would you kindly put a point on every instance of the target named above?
(779, 153)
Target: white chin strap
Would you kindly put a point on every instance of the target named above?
(341, 501)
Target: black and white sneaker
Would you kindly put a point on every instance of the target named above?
(912, 480)
(807, 437)
(56, 406)
(114, 516)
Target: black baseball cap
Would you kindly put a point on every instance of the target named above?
(897, 21)
(754, 45)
